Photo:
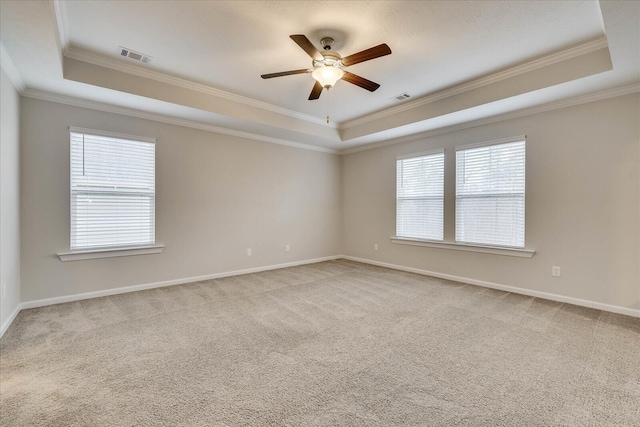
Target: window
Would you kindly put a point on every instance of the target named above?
(112, 190)
(420, 196)
(490, 187)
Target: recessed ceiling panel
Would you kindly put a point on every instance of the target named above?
(229, 44)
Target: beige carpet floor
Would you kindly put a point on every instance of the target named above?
(330, 344)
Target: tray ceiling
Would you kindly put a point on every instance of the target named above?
(459, 61)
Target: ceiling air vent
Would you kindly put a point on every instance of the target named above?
(136, 56)
(401, 97)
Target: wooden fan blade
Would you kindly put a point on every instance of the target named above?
(360, 81)
(307, 46)
(366, 55)
(316, 91)
(284, 73)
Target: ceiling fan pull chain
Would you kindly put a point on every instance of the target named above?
(325, 100)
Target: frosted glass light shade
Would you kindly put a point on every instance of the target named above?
(327, 75)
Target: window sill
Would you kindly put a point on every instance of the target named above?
(109, 252)
(521, 253)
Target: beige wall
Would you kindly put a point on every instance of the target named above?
(9, 200)
(216, 196)
(582, 204)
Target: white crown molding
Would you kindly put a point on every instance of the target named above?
(62, 40)
(67, 51)
(117, 65)
(569, 102)
(592, 97)
(10, 69)
(536, 64)
(93, 105)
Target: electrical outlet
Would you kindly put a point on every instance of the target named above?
(375, 246)
(287, 248)
(249, 252)
(555, 271)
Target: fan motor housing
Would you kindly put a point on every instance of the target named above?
(330, 59)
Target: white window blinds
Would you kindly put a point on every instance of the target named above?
(112, 191)
(490, 187)
(420, 196)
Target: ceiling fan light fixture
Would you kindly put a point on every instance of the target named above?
(327, 75)
(329, 66)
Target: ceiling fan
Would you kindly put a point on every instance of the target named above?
(329, 67)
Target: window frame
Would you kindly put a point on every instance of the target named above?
(520, 252)
(510, 140)
(82, 253)
(418, 155)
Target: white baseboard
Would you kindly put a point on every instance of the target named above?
(545, 295)
(88, 295)
(135, 288)
(9, 321)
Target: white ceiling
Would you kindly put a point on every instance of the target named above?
(220, 48)
(228, 45)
